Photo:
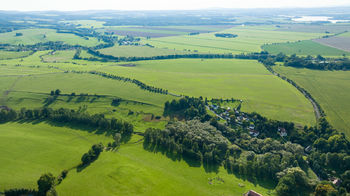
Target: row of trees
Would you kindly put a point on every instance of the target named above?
(134, 81)
(63, 115)
(226, 35)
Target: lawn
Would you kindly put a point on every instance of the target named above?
(28, 150)
(261, 91)
(33, 36)
(249, 39)
(331, 89)
(304, 48)
(134, 171)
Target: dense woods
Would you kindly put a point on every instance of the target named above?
(226, 35)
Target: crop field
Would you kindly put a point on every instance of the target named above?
(33, 36)
(28, 150)
(135, 171)
(85, 23)
(250, 39)
(304, 48)
(13, 55)
(240, 79)
(339, 42)
(139, 51)
(320, 28)
(331, 90)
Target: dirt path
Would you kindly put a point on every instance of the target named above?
(5, 94)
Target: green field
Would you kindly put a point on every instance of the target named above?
(28, 150)
(59, 56)
(304, 48)
(138, 51)
(33, 36)
(249, 39)
(133, 171)
(240, 79)
(331, 89)
(12, 54)
(85, 23)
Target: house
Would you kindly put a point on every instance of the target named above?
(336, 182)
(282, 132)
(251, 127)
(4, 108)
(254, 133)
(308, 149)
(252, 193)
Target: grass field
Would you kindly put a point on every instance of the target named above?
(241, 79)
(304, 48)
(12, 54)
(59, 56)
(329, 88)
(33, 36)
(249, 39)
(28, 150)
(85, 23)
(139, 51)
(133, 171)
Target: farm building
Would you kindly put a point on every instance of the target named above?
(282, 132)
(252, 193)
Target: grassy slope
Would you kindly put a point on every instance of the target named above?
(140, 51)
(241, 79)
(33, 36)
(304, 48)
(331, 90)
(27, 151)
(249, 40)
(59, 56)
(134, 171)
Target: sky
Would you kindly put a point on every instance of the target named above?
(71, 5)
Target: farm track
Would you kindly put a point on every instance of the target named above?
(316, 107)
(5, 94)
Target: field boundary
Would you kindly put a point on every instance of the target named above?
(319, 113)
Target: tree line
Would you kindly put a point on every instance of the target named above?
(62, 115)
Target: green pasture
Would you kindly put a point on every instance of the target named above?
(331, 89)
(248, 80)
(12, 54)
(59, 56)
(138, 51)
(249, 39)
(33, 36)
(85, 23)
(304, 48)
(134, 171)
(28, 150)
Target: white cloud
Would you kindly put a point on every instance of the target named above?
(160, 4)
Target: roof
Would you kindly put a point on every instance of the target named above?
(252, 193)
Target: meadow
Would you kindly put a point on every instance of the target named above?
(304, 48)
(134, 171)
(250, 39)
(30, 149)
(12, 54)
(33, 36)
(329, 88)
(138, 51)
(248, 80)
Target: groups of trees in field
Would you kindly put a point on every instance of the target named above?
(185, 108)
(92, 154)
(226, 35)
(62, 115)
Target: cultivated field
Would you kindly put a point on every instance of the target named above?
(139, 51)
(240, 79)
(304, 48)
(250, 39)
(13, 55)
(331, 90)
(134, 171)
(28, 150)
(339, 42)
(33, 36)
